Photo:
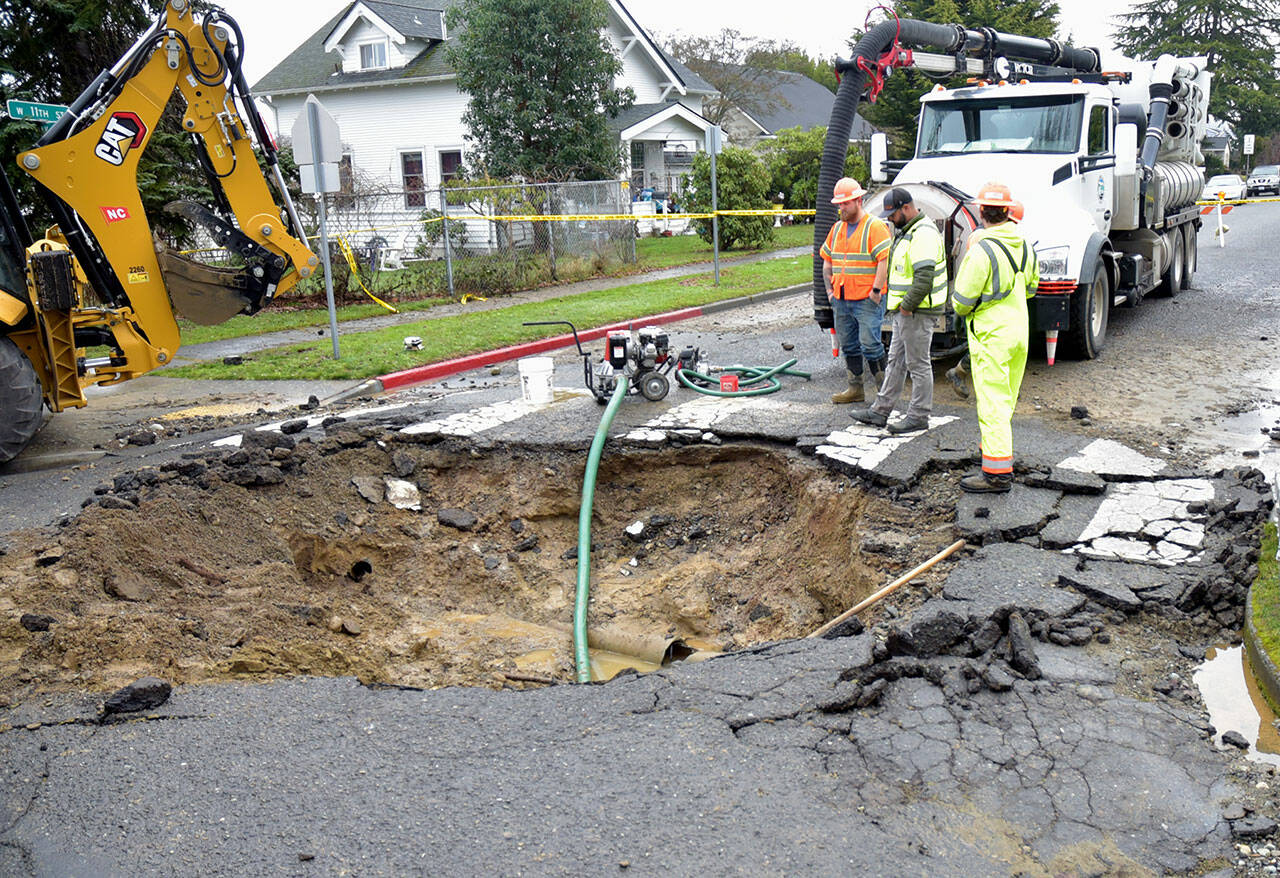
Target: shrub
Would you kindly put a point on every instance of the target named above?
(743, 184)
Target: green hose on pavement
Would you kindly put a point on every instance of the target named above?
(581, 656)
(747, 376)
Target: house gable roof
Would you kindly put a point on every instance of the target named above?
(795, 101)
(311, 67)
(635, 120)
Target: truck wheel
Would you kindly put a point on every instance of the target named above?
(1191, 255)
(1090, 309)
(1171, 280)
(20, 400)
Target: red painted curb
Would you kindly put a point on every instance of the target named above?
(445, 368)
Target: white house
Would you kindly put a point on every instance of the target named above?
(379, 68)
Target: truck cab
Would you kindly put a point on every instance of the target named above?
(1068, 150)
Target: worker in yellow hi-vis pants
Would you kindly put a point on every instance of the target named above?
(997, 276)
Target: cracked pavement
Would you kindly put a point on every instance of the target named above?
(991, 730)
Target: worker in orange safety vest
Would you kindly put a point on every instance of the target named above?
(855, 268)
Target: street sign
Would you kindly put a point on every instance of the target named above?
(1248, 144)
(30, 111)
(321, 144)
(713, 140)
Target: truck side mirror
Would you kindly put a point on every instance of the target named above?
(1126, 149)
(879, 155)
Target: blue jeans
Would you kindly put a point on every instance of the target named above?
(858, 327)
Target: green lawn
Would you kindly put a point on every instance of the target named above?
(658, 253)
(367, 354)
(652, 254)
(1266, 596)
(279, 319)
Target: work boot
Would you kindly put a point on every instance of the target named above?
(869, 416)
(909, 424)
(956, 375)
(852, 393)
(877, 371)
(987, 483)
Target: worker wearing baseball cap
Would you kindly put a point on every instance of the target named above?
(996, 277)
(855, 265)
(917, 297)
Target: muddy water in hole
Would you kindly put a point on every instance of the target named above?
(1234, 700)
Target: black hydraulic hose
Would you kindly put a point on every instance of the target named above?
(873, 44)
(1158, 112)
(949, 38)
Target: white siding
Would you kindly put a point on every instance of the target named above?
(364, 32)
(638, 67)
(377, 124)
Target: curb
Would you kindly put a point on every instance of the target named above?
(1264, 669)
(443, 369)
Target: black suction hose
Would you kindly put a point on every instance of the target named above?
(949, 38)
(873, 44)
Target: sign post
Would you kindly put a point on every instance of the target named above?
(317, 148)
(715, 142)
(32, 111)
(1248, 149)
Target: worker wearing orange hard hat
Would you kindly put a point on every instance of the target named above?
(996, 277)
(855, 267)
(959, 373)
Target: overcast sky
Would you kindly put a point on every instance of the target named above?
(273, 28)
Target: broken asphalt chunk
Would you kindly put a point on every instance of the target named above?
(147, 693)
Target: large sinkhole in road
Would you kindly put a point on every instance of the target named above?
(320, 574)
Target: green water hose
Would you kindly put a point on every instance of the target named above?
(580, 655)
(747, 376)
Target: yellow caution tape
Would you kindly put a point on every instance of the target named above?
(1234, 201)
(471, 297)
(345, 246)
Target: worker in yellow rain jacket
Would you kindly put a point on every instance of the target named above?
(997, 276)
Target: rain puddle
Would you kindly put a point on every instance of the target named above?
(1234, 701)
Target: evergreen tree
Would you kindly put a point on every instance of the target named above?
(539, 75)
(50, 52)
(1239, 39)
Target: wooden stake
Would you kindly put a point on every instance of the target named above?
(890, 588)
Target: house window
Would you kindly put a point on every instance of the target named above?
(450, 164)
(373, 56)
(414, 180)
(637, 155)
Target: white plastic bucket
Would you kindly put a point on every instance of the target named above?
(535, 378)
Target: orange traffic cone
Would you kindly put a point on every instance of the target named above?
(835, 345)
(1051, 344)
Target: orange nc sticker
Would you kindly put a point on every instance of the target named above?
(114, 214)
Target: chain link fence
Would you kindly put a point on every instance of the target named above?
(477, 240)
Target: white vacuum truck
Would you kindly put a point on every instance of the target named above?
(1105, 164)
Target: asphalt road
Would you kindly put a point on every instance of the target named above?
(751, 764)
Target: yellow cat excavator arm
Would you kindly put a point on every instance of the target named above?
(99, 278)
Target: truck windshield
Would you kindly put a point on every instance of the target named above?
(1024, 124)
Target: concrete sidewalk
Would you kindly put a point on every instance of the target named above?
(247, 344)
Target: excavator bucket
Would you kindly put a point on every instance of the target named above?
(204, 294)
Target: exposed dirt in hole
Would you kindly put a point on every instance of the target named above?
(210, 581)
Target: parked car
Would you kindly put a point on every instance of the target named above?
(1230, 185)
(1265, 180)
